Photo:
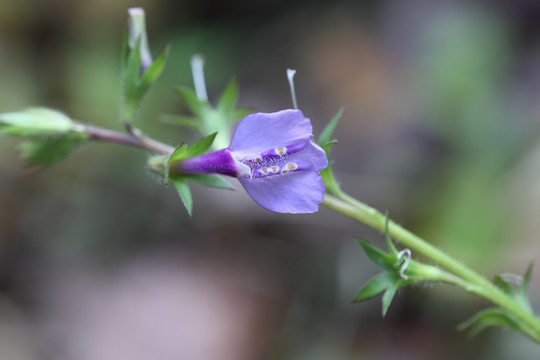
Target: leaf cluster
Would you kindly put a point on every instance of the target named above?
(516, 287)
(137, 81)
(50, 135)
(400, 271)
(206, 118)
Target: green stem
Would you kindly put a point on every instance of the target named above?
(474, 282)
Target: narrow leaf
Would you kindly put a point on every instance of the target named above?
(210, 180)
(227, 100)
(196, 106)
(487, 318)
(156, 68)
(524, 287)
(200, 147)
(178, 153)
(324, 139)
(379, 257)
(375, 286)
(49, 151)
(388, 297)
(503, 285)
(523, 296)
(327, 174)
(183, 191)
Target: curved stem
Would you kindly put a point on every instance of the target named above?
(134, 139)
(476, 283)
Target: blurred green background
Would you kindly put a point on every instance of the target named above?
(441, 126)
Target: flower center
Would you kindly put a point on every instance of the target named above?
(273, 162)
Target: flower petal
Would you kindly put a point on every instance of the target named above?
(260, 132)
(299, 192)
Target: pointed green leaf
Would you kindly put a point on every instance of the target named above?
(324, 139)
(35, 122)
(487, 318)
(227, 100)
(524, 287)
(388, 297)
(522, 295)
(178, 153)
(379, 257)
(210, 180)
(195, 106)
(50, 151)
(200, 147)
(375, 286)
(156, 68)
(183, 191)
(184, 121)
(503, 285)
(330, 182)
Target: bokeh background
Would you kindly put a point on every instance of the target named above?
(441, 128)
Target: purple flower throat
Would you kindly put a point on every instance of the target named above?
(273, 157)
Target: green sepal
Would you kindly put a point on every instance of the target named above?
(330, 182)
(48, 152)
(388, 296)
(227, 101)
(521, 293)
(379, 257)
(327, 174)
(197, 107)
(37, 121)
(488, 318)
(375, 286)
(210, 180)
(183, 191)
(200, 147)
(178, 153)
(524, 286)
(324, 139)
(184, 152)
(503, 285)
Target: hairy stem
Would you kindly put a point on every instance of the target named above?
(134, 139)
(475, 283)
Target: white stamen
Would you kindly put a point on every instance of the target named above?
(197, 65)
(280, 150)
(290, 76)
(291, 166)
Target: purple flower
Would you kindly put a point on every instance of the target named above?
(273, 157)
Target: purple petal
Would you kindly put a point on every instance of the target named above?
(261, 132)
(299, 192)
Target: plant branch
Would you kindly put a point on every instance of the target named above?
(134, 139)
(474, 282)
